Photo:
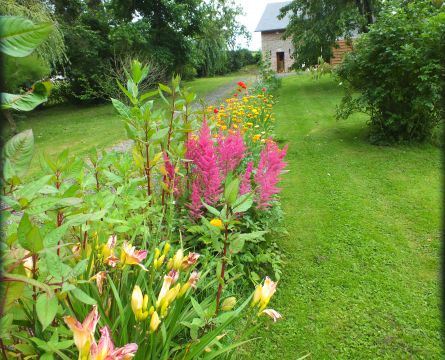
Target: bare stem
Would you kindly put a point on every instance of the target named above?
(223, 268)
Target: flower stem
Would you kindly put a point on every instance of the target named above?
(223, 268)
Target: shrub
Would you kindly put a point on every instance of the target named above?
(398, 71)
(267, 77)
(321, 69)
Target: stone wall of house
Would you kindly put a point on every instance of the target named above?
(271, 43)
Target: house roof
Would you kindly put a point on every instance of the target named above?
(269, 21)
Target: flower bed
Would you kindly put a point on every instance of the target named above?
(151, 246)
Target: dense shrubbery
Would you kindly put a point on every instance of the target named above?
(151, 245)
(398, 70)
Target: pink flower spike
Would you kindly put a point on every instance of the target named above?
(267, 174)
(231, 151)
(245, 186)
(207, 184)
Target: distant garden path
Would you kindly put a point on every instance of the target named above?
(214, 97)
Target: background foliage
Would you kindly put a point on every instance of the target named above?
(396, 72)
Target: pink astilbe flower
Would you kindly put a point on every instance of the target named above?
(171, 180)
(195, 205)
(245, 185)
(267, 174)
(201, 150)
(231, 150)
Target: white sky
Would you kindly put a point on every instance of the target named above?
(253, 10)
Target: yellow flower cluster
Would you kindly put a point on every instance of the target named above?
(251, 115)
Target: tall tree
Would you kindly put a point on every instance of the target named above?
(315, 25)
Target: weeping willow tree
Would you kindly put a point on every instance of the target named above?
(219, 32)
(52, 52)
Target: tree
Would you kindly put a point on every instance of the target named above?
(315, 25)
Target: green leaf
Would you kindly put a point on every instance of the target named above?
(28, 100)
(52, 238)
(199, 310)
(19, 36)
(83, 297)
(30, 189)
(121, 108)
(243, 203)
(55, 265)
(160, 134)
(28, 235)
(231, 191)
(236, 245)
(46, 309)
(165, 88)
(212, 210)
(18, 151)
(148, 95)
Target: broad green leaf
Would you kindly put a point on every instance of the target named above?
(22, 102)
(121, 108)
(18, 151)
(55, 265)
(236, 245)
(46, 309)
(28, 235)
(148, 95)
(165, 88)
(243, 203)
(28, 100)
(212, 210)
(20, 36)
(83, 297)
(231, 191)
(30, 189)
(52, 238)
(5, 325)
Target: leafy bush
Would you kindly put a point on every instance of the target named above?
(398, 71)
(104, 241)
(268, 78)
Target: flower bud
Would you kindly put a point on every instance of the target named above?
(154, 322)
(228, 303)
(177, 259)
(157, 253)
(167, 247)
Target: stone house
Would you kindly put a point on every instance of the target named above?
(280, 50)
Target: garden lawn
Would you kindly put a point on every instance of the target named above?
(361, 277)
(80, 128)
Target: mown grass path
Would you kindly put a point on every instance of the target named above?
(361, 278)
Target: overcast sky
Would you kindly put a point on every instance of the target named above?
(253, 10)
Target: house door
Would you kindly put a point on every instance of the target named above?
(280, 61)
